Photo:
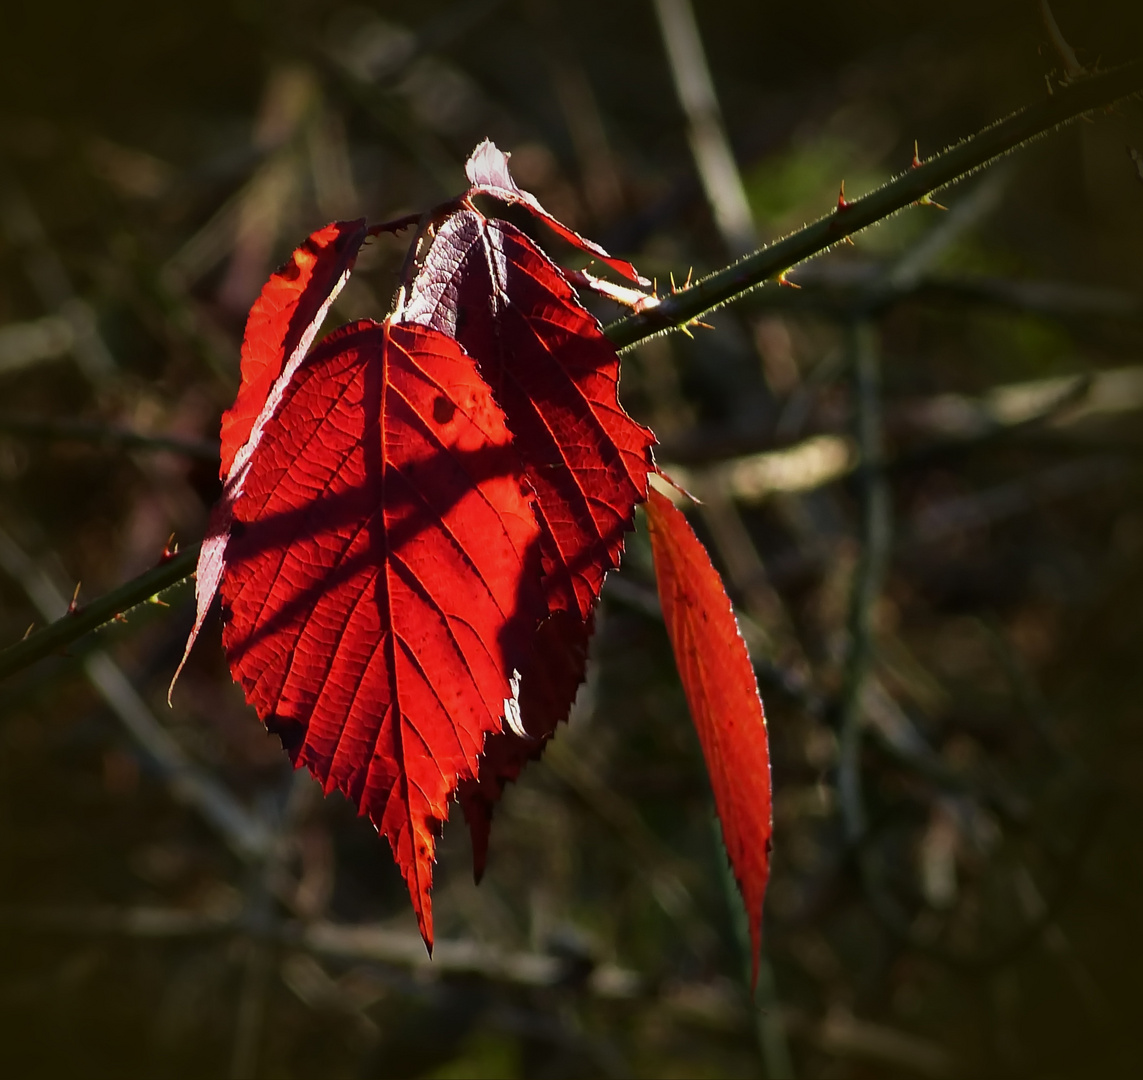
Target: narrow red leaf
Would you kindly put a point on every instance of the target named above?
(284, 320)
(722, 693)
(280, 329)
(382, 584)
(487, 168)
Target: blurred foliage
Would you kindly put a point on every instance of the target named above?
(156, 161)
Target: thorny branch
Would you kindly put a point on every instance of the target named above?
(1063, 106)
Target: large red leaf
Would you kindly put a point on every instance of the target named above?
(556, 377)
(487, 169)
(722, 693)
(382, 585)
(279, 332)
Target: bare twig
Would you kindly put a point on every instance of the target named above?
(875, 539)
(710, 147)
(50, 279)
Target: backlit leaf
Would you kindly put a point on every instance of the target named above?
(280, 329)
(722, 694)
(556, 377)
(382, 582)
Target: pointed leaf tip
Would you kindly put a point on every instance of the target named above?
(722, 694)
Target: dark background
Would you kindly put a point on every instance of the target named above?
(156, 162)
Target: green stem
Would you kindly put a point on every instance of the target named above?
(1061, 107)
(91, 616)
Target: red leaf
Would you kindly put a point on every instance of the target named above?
(382, 584)
(487, 168)
(284, 320)
(547, 689)
(722, 693)
(279, 331)
(556, 377)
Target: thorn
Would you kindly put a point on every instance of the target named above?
(699, 322)
(685, 328)
(917, 163)
(783, 280)
(120, 617)
(674, 287)
(690, 273)
(847, 239)
(928, 200)
(28, 632)
(842, 201)
(73, 607)
(668, 479)
(155, 600)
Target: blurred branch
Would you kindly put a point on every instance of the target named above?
(23, 344)
(87, 431)
(875, 540)
(189, 784)
(833, 287)
(1060, 107)
(710, 147)
(700, 1004)
(49, 277)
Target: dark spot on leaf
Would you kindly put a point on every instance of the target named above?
(443, 410)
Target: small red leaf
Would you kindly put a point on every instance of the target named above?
(487, 168)
(284, 320)
(722, 693)
(279, 332)
(382, 583)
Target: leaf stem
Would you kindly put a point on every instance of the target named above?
(1062, 106)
